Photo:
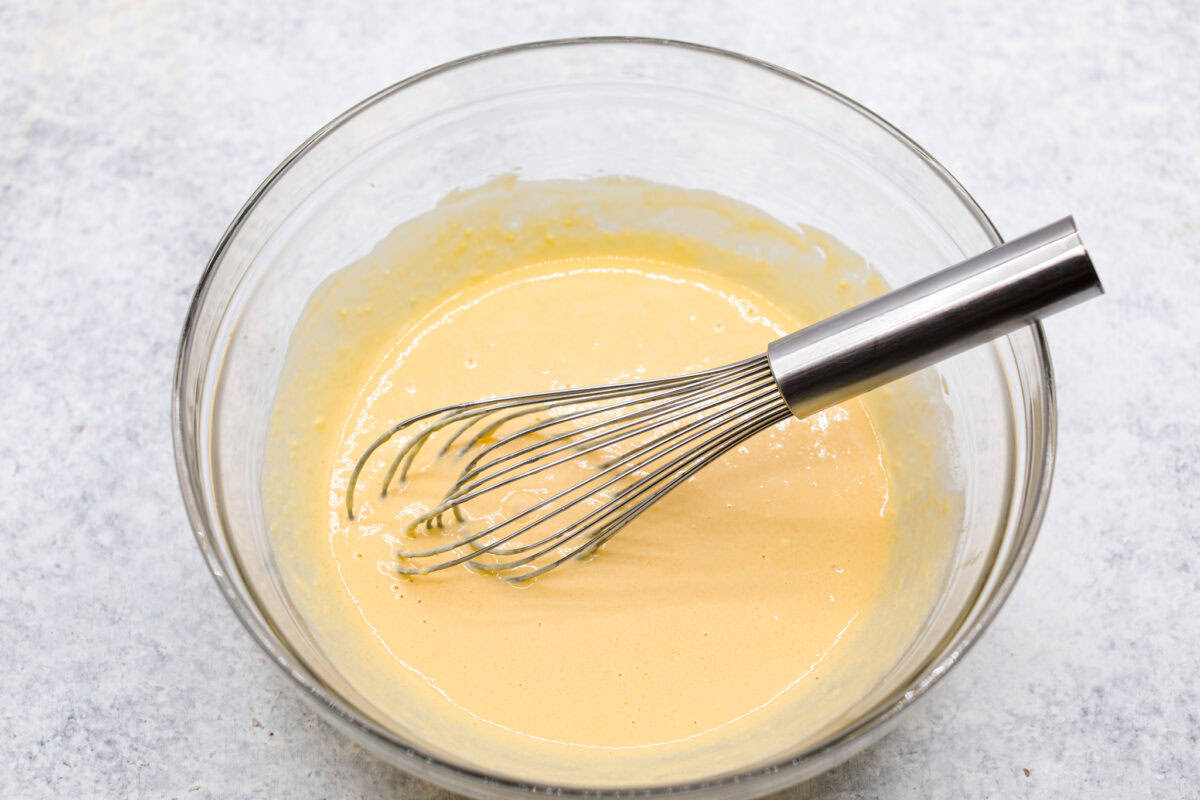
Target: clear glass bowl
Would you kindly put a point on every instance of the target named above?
(666, 111)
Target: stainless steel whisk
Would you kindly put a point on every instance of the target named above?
(651, 436)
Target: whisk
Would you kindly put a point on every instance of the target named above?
(632, 443)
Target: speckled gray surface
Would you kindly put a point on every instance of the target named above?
(133, 131)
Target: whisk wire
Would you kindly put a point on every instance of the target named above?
(594, 524)
(671, 427)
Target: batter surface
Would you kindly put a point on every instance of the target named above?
(721, 624)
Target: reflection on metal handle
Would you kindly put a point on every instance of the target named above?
(973, 302)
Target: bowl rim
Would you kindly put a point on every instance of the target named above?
(459, 776)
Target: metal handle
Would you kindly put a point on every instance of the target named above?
(980, 299)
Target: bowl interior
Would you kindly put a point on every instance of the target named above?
(666, 112)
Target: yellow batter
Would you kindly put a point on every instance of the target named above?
(736, 617)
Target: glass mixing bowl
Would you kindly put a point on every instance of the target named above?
(666, 111)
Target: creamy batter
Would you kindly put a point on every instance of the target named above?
(739, 615)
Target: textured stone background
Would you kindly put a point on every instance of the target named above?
(132, 131)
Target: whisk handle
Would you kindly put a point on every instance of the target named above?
(975, 301)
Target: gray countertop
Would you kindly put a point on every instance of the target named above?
(133, 132)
